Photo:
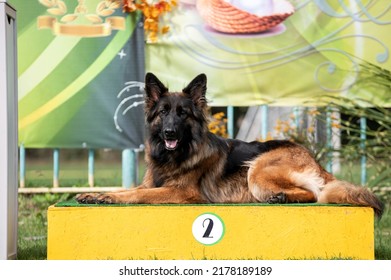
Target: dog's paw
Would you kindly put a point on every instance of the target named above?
(95, 198)
(106, 199)
(279, 198)
(87, 198)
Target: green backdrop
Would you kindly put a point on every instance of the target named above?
(79, 81)
(81, 63)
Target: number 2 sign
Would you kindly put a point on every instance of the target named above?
(208, 229)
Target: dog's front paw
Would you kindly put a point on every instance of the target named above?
(87, 198)
(106, 199)
(279, 198)
(95, 198)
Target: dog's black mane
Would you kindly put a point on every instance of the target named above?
(238, 152)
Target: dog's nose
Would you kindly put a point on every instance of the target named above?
(169, 133)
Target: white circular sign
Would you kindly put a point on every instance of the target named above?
(208, 229)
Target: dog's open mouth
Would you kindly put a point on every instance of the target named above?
(171, 144)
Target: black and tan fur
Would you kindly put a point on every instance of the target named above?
(188, 164)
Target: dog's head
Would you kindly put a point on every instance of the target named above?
(175, 119)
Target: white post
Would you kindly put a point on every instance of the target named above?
(8, 133)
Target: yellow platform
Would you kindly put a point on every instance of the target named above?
(230, 232)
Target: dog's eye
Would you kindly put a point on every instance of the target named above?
(163, 112)
(182, 113)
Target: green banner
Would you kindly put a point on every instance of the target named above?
(81, 72)
(276, 52)
(81, 63)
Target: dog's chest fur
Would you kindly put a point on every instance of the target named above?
(217, 168)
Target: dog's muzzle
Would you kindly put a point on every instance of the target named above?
(170, 141)
(171, 144)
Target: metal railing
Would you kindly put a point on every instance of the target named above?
(129, 173)
(130, 162)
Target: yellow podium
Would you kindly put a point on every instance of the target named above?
(199, 232)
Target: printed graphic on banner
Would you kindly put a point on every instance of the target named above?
(208, 229)
(100, 23)
(276, 52)
(78, 62)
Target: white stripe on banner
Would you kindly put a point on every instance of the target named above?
(45, 63)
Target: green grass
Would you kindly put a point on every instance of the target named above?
(32, 224)
(32, 220)
(383, 235)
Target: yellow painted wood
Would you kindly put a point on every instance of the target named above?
(251, 232)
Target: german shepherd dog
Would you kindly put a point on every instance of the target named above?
(188, 164)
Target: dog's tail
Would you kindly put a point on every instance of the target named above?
(341, 192)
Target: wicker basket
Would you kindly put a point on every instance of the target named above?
(223, 17)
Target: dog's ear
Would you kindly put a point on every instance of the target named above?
(196, 90)
(154, 89)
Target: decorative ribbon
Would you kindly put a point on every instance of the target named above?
(84, 30)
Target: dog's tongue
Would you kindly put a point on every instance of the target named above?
(171, 144)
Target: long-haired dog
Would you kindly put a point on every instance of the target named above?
(188, 164)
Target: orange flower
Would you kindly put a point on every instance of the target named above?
(152, 12)
(217, 125)
(128, 6)
(165, 29)
(335, 125)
